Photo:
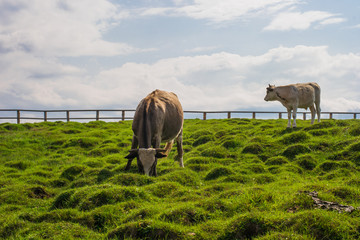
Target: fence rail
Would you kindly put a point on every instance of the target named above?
(96, 114)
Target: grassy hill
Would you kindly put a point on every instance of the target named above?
(242, 179)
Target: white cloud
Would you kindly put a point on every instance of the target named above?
(221, 11)
(285, 16)
(332, 21)
(61, 28)
(155, 11)
(356, 26)
(224, 81)
(341, 104)
(284, 13)
(202, 49)
(220, 81)
(301, 21)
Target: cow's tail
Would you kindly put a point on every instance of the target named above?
(317, 98)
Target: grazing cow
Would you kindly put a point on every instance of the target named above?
(158, 118)
(294, 96)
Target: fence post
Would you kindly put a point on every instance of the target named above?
(229, 115)
(204, 116)
(254, 115)
(280, 115)
(68, 116)
(354, 115)
(97, 115)
(331, 116)
(123, 115)
(304, 116)
(45, 116)
(18, 116)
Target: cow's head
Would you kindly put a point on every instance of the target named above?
(147, 158)
(270, 93)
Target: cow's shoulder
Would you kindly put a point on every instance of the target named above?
(288, 88)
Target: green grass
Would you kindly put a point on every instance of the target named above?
(243, 179)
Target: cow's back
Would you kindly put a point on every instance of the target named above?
(159, 113)
(305, 95)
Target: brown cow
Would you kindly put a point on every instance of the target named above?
(294, 96)
(158, 118)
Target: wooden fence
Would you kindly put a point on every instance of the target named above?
(98, 114)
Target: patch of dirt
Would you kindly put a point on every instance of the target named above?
(321, 204)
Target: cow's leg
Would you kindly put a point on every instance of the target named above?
(168, 147)
(156, 144)
(318, 110)
(134, 145)
(140, 166)
(179, 145)
(154, 167)
(312, 109)
(289, 117)
(294, 117)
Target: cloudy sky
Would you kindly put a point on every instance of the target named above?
(215, 55)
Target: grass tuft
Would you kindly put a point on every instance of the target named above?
(306, 161)
(21, 165)
(63, 200)
(71, 172)
(278, 160)
(355, 131)
(355, 147)
(246, 227)
(218, 172)
(147, 230)
(231, 144)
(188, 215)
(203, 139)
(295, 137)
(84, 142)
(328, 166)
(130, 179)
(254, 148)
(293, 150)
(216, 152)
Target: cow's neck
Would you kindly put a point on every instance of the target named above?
(281, 98)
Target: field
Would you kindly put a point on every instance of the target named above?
(243, 179)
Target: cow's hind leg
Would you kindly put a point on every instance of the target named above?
(134, 145)
(294, 117)
(179, 145)
(318, 110)
(312, 109)
(289, 118)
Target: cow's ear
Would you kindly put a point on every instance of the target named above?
(133, 154)
(160, 155)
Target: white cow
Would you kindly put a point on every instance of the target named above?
(294, 96)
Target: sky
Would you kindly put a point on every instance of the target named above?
(215, 55)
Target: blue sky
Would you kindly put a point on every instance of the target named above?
(215, 55)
